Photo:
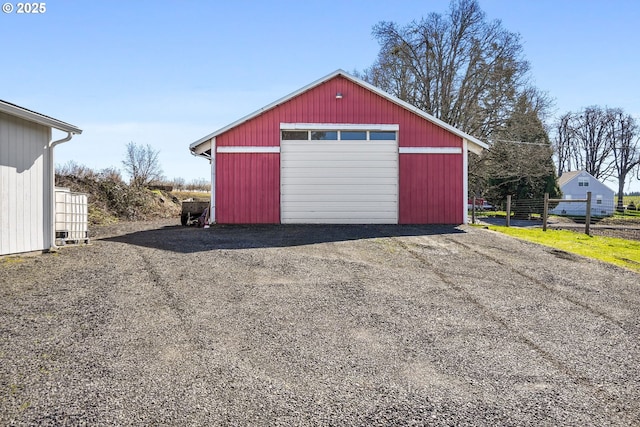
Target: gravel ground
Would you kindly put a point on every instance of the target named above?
(316, 325)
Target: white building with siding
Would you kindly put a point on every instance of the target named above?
(575, 185)
(27, 212)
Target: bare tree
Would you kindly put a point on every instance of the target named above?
(584, 141)
(591, 130)
(603, 141)
(199, 184)
(564, 144)
(458, 67)
(179, 183)
(626, 148)
(142, 164)
(74, 169)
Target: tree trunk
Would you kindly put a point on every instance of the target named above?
(621, 180)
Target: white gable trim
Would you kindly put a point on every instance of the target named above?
(248, 149)
(339, 126)
(474, 145)
(430, 150)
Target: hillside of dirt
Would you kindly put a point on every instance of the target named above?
(112, 200)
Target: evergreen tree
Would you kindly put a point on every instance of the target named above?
(520, 161)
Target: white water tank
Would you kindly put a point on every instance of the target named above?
(72, 215)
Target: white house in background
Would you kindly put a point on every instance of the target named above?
(575, 185)
(27, 212)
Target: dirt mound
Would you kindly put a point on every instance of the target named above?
(112, 200)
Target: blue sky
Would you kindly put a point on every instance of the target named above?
(167, 73)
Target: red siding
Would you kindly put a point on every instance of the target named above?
(431, 188)
(248, 185)
(248, 188)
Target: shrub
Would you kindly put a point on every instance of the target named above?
(111, 199)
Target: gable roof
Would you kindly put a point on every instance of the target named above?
(32, 116)
(567, 177)
(475, 145)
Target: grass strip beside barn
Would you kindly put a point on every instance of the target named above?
(620, 252)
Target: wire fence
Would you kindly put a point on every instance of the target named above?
(527, 212)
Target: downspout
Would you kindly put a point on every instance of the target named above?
(212, 202)
(465, 181)
(52, 176)
(212, 161)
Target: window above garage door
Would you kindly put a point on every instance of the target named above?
(338, 132)
(342, 135)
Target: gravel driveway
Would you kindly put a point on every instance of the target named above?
(316, 325)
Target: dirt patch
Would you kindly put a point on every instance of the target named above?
(154, 323)
(564, 255)
(620, 232)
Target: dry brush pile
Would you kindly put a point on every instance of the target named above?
(111, 199)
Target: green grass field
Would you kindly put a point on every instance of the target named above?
(621, 252)
(629, 199)
(630, 215)
(183, 195)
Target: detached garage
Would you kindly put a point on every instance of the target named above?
(27, 219)
(338, 151)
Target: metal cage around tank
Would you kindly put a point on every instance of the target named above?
(72, 215)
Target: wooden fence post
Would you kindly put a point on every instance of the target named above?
(508, 210)
(473, 210)
(544, 212)
(587, 223)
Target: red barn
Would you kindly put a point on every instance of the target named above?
(338, 150)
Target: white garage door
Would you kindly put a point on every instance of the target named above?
(340, 182)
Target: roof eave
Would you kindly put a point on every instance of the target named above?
(473, 140)
(32, 116)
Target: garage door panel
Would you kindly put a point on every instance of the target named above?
(364, 206)
(352, 217)
(339, 182)
(318, 156)
(336, 186)
(343, 176)
(342, 198)
(338, 164)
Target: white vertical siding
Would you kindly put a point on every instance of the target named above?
(25, 186)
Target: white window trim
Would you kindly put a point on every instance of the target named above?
(338, 126)
(430, 150)
(248, 149)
